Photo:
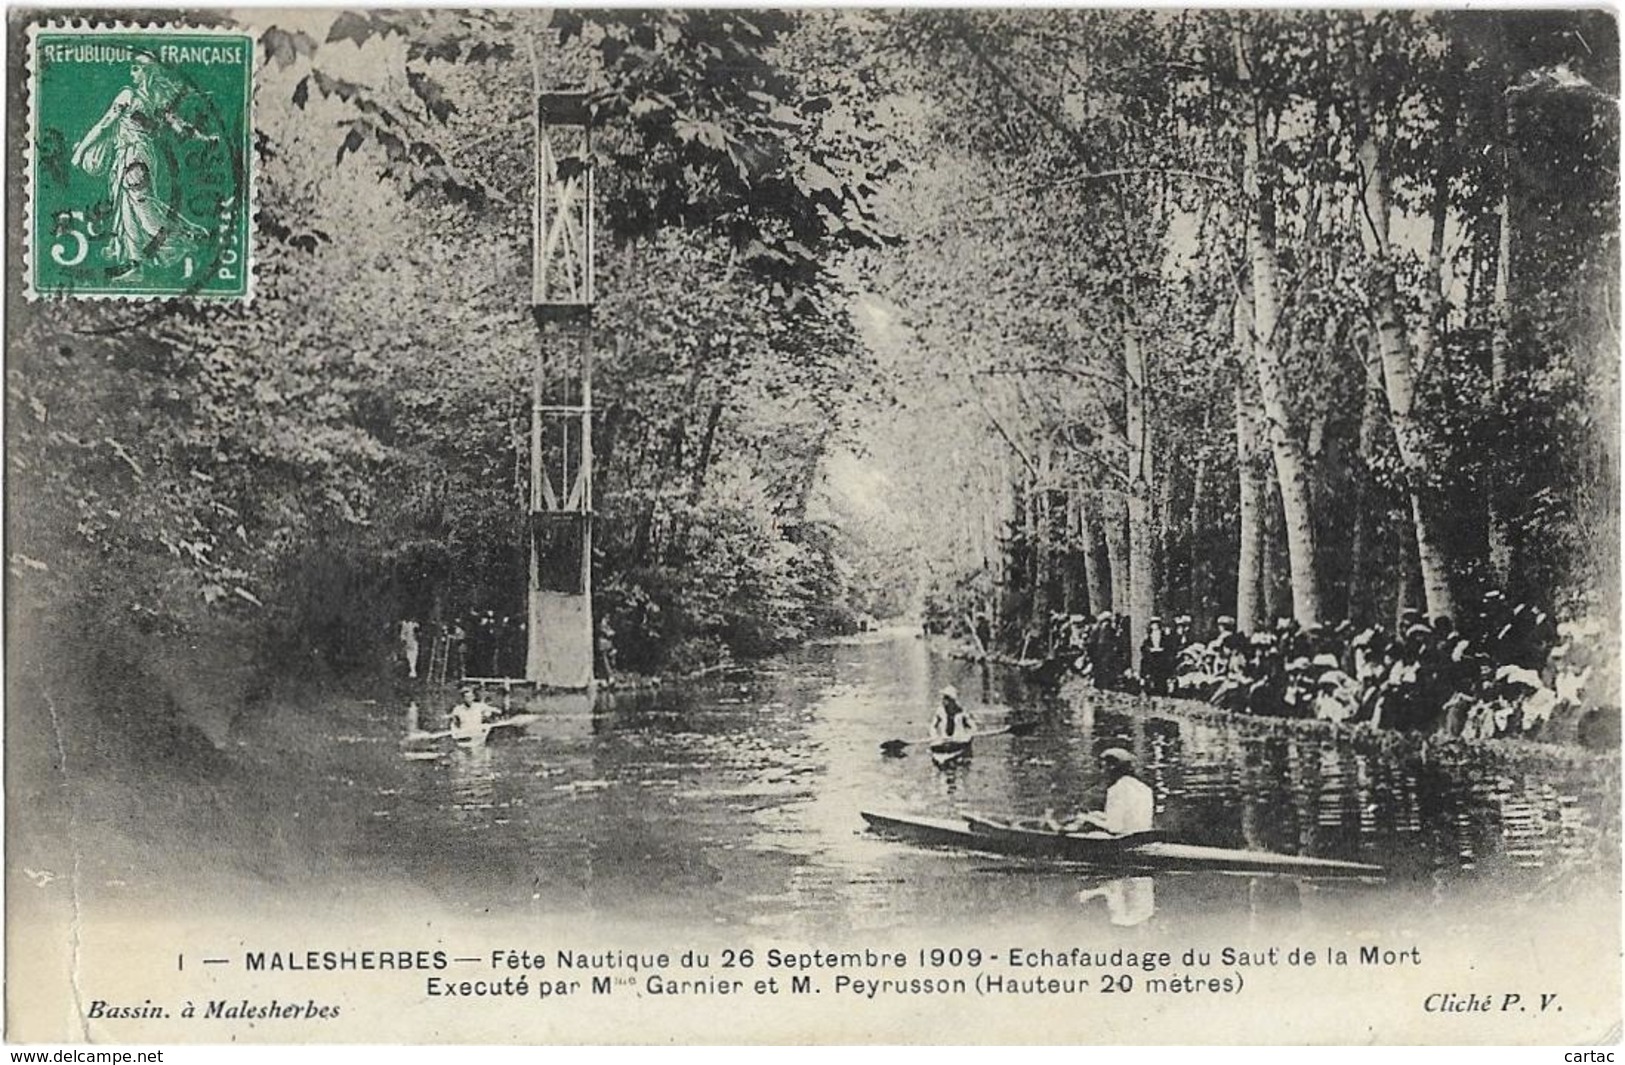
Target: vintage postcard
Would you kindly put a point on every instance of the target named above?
(1032, 525)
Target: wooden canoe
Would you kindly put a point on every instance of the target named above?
(502, 726)
(1149, 851)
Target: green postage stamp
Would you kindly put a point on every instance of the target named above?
(140, 179)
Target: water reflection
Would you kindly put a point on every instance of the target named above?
(1129, 900)
(473, 783)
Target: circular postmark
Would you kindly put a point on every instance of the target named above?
(142, 181)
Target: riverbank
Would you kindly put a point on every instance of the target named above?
(1076, 688)
(1362, 736)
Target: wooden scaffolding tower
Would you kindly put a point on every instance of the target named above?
(560, 652)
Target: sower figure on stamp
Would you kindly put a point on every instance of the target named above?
(124, 145)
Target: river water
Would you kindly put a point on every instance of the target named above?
(724, 814)
(734, 801)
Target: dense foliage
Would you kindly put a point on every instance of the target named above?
(999, 311)
(351, 447)
(1260, 314)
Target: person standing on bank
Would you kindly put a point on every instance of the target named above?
(1130, 804)
(1158, 661)
(604, 649)
(409, 646)
(456, 656)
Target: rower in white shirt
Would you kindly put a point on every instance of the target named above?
(1130, 804)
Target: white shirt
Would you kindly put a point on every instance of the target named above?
(1130, 806)
(467, 717)
(964, 725)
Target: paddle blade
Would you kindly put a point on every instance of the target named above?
(894, 748)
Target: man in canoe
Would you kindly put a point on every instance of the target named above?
(1130, 805)
(472, 713)
(952, 721)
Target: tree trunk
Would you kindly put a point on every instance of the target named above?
(995, 521)
(809, 476)
(1112, 522)
(671, 459)
(608, 427)
(519, 441)
(1363, 596)
(1141, 537)
(1069, 556)
(1249, 608)
(608, 436)
(1408, 592)
(1043, 561)
(1427, 333)
(1142, 591)
(1033, 562)
(1500, 540)
(1291, 466)
(1002, 563)
(702, 465)
(678, 549)
(1199, 569)
(1277, 584)
(1094, 579)
(670, 462)
(1172, 587)
(1398, 372)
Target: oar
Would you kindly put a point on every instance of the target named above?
(1023, 728)
(425, 737)
(445, 733)
(511, 721)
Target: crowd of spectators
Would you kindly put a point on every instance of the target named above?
(478, 644)
(1513, 670)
